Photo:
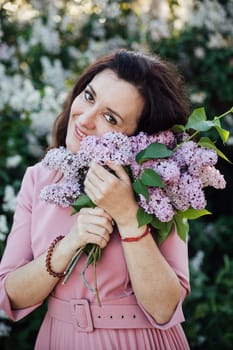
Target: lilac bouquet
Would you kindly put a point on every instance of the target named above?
(168, 170)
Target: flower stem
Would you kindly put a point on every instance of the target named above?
(223, 115)
(95, 285)
(92, 258)
(73, 262)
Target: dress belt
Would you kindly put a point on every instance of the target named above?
(86, 317)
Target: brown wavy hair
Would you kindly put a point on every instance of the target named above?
(158, 82)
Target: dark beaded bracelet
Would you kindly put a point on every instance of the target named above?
(48, 259)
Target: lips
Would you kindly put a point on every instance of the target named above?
(79, 134)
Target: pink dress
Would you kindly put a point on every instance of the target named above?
(74, 320)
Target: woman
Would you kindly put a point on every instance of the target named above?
(141, 286)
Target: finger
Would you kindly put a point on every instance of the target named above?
(98, 172)
(104, 237)
(119, 171)
(97, 239)
(97, 211)
(97, 224)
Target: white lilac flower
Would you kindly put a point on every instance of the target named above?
(6, 52)
(53, 73)
(9, 199)
(197, 260)
(199, 52)
(198, 97)
(4, 329)
(46, 35)
(3, 227)
(34, 147)
(217, 41)
(13, 161)
(42, 118)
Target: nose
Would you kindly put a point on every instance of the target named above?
(87, 119)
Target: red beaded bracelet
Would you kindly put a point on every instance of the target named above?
(135, 239)
(48, 259)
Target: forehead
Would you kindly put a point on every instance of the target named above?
(112, 89)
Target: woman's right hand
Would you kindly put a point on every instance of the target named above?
(93, 225)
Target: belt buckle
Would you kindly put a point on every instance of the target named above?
(81, 313)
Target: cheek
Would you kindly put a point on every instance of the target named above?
(70, 125)
(77, 104)
(71, 143)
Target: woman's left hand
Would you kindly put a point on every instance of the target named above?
(112, 192)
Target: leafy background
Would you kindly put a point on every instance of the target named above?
(44, 45)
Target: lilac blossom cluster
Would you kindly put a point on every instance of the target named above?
(184, 174)
(113, 147)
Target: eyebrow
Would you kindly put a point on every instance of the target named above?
(109, 109)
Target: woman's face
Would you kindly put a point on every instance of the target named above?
(106, 104)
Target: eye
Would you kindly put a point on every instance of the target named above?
(110, 119)
(88, 96)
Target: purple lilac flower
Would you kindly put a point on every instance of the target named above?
(182, 137)
(63, 194)
(112, 146)
(167, 169)
(142, 140)
(202, 157)
(187, 192)
(138, 169)
(65, 161)
(211, 176)
(139, 142)
(185, 173)
(184, 154)
(55, 157)
(158, 205)
(166, 137)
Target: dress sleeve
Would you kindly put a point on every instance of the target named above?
(175, 251)
(18, 251)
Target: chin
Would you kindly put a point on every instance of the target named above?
(74, 148)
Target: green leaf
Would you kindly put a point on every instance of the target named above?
(224, 134)
(192, 214)
(143, 217)
(82, 202)
(206, 142)
(197, 121)
(154, 151)
(182, 226)
(177, 128)
(140, 188)
(163, 229)
(151, 178)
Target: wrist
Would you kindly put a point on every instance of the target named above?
(127, 237)
(131, 230)
(128, 219)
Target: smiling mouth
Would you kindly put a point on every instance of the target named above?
(80, 133)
